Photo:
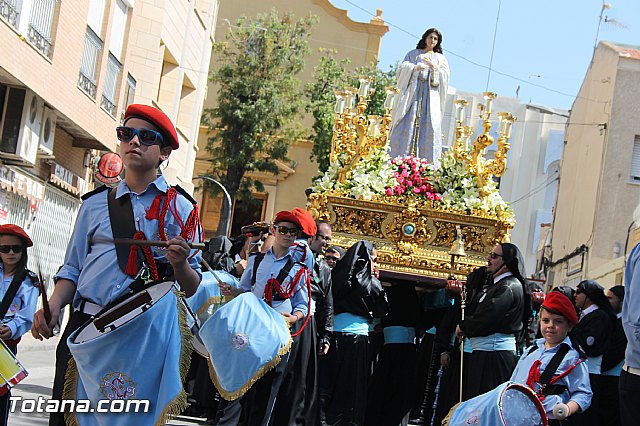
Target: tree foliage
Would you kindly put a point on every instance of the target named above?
(331, 75)
(259, 98)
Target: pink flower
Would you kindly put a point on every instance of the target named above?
(400, 179)
(416, 190)
(409, 183)
(430, 196)
(405, 173)
(395, 175)
(423, 188)
(388, 191)
(399, 190)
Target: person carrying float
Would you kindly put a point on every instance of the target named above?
(147, 357)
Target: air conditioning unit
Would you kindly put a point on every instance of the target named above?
(21, 122)
(47, 131)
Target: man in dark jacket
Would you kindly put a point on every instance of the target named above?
(592, 336)
(495, 320)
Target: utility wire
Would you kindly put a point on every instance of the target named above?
(449, 52)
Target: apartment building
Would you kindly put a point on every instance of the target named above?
(68, 70)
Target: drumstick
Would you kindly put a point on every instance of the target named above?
(43, 293)
(131, 241)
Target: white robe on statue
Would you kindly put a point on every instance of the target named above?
(419, 86)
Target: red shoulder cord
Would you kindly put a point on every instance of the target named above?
(273, 285)
(534, 376)
(187, 231)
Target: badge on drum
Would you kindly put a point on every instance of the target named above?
(240, 341)
(473, 418)
(118, 386)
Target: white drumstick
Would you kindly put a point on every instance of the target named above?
(561, 411)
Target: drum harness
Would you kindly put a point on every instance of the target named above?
(273, 289)
(547, 379)
(123, 226)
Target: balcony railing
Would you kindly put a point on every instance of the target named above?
(41, 25)
(9, 12)
(89, 63)
(110, 85)
(88, 85)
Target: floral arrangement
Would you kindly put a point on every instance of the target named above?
(412, 176)
(369, 178)
(450, 185)
(460, 190)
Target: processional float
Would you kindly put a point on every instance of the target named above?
(364, 194)
(431, 224)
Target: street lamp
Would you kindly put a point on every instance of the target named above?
(227, 225)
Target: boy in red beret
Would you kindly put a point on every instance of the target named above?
(552, 367)
(279, 274)
(97, 272)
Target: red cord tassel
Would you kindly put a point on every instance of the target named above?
(132, 261)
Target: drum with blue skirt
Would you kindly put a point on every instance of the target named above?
(510, 404)
(205, 302)
(245, 338)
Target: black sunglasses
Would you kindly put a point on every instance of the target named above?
(146, 137)
(494, 255)
(324, 237)
(284, 230)
(335, 259)
(7, 249)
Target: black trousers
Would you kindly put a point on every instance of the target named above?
(62, 360)
(629, 387)
(256, 406)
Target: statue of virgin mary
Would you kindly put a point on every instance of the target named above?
(423, 79)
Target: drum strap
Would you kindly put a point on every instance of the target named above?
(8, 296)
(548, 378)
(550, 371)
(122, 224)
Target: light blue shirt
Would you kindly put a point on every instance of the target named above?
(270, 267)
(631, 308)
(576, 382)
(94, 267)
(21, 310)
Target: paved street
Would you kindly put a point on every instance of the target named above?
(38, 358)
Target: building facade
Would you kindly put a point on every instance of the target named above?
(357, 41)
(67, 73)
(600, 172)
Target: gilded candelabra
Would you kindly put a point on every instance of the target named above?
(474, 159)
(355, 134)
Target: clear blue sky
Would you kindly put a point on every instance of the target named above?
(547, 43)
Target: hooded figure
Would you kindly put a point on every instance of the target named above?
(495, 321)
(345, 370)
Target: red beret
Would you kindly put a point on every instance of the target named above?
(558, 302)
(11, 229)
(287, 216)
(307, 224)
(158, 119)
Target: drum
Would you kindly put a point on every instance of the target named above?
(110, 319)
(205, 302)
(11, 371)
(245, 338)
(510, 404)
(135, 349)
